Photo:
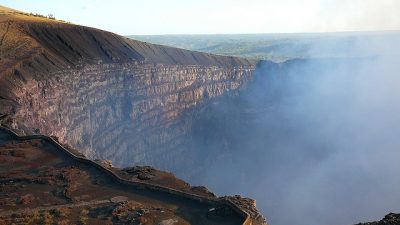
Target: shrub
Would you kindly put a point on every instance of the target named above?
(84, 217)
(46, 218)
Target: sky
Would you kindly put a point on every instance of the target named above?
(134, 17)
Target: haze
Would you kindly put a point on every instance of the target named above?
(132, 17)
(313, 140)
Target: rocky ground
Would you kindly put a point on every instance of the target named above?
(40, 185)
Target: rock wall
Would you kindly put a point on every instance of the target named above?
(128, 113)
(112, 97)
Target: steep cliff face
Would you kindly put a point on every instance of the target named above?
(114, 98)
(127, 113)
(108, 96)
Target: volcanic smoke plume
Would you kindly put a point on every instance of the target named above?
(314, 141)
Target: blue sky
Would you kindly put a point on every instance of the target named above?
(220, 16)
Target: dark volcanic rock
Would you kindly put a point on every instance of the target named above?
(248, 205)
(389, 219)
(26, 199)
(141, 172)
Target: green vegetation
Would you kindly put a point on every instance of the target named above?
(61, 212)
(50, 16)
(46, 218)
(83, 217)
(281, 47)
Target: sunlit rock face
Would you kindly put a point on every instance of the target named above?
(111, 97)
(123, 112)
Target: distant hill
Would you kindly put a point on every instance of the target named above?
(281, 47)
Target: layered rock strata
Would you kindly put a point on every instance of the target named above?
(115, 98)
(126, 113)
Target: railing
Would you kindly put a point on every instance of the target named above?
(136, 184)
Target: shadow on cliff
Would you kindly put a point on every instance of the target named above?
(314, 141)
